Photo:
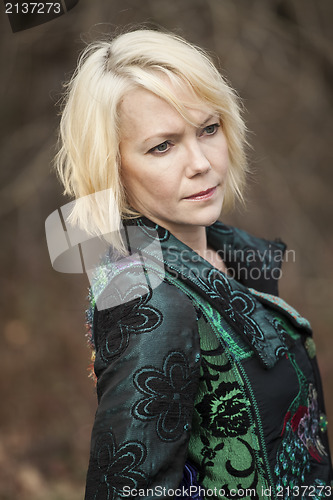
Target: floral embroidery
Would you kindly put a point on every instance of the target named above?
(118, 467)
(239, 308)
(241, 473)
(225, 444)
(152, 230)
(305, 423)
(301, 442)
(208, 452)
(169, 395)
(211, 372)
(224, 411)
(286, 340)
(117, 324)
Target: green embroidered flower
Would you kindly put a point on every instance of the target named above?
(224, 412)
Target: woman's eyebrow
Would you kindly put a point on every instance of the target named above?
(175, 134)
(207, 120)
(162, 135)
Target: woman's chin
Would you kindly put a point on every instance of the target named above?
(206, 219)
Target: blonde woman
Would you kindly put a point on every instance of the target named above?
(207, 382)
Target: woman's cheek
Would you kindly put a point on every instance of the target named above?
(161, 191)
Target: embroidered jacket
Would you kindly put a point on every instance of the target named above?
(202, 378)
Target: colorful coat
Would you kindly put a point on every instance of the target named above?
(203, 379)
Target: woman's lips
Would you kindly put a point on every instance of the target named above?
(203, 195)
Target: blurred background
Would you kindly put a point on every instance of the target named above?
(278, 55)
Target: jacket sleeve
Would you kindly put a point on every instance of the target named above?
(147, 368)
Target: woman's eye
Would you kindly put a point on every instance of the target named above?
(211, 129)
(160, 148)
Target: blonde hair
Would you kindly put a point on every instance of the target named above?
(88, 161)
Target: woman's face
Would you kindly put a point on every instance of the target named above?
(174, 172)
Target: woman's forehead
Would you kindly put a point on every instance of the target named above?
(141, 110)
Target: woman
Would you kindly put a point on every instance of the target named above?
(207, 382)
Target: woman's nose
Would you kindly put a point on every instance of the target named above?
(197, 161)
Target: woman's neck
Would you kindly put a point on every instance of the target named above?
(196, 238)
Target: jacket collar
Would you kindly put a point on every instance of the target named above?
(254, 262)
(251, 261)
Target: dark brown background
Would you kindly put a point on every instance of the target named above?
(278, 55)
